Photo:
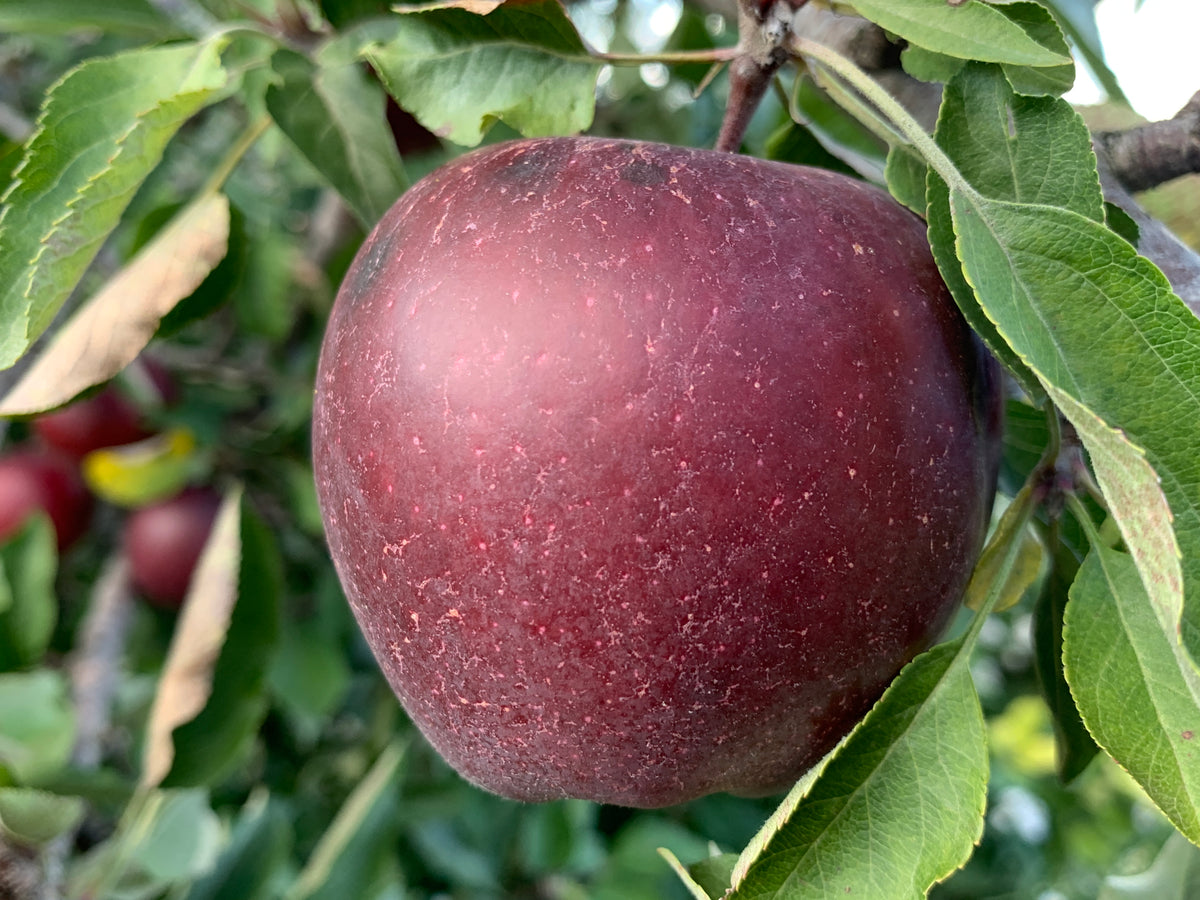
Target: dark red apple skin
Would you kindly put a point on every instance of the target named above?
(42, 479)
(646, 469)
(108, 418)
(163, 543)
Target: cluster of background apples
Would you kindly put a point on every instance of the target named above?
(115, 447)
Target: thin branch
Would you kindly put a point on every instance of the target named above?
(94, 670)
(763, 30)
(1149, 155)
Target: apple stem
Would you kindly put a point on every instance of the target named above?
(763, 30)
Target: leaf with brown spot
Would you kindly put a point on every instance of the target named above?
(186, 682)
(112, 328)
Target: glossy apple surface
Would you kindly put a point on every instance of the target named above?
(645, 469)
(163, 543)
(38, 479)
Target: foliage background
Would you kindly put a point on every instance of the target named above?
(302, 777)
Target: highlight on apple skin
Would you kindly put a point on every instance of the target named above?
(645, 469)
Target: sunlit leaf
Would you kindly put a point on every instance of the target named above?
(334, 114)
(968, 30)
(134, 17)
(37, 725)
(1112, 344)
(109, 331)
(899, 807)
(102, 130)
(1137, 691)
(459, 72)
(31, 816)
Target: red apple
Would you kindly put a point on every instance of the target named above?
(646, 469)
(108, 418)
(39, 479)
(163, 543)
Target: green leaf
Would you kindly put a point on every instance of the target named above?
(1026, 439)
(183, 838)
(694, 887)
(265, 300)
(28, 566)
(970, 30)
(309, 675)
(714, 874)
(1033, 150)
(926, 65)
(167, 839)
(458, 72)
(1137, 692)
(900, 806)
(1175, 875)
(139, 18)
(334, 114)
(1076, 748)
(1112, 344)
(1013, 528)
(37, 725)
(31, 816)
(343, 857)
(795, 143)
(906, 175)
(102, 130)
(840, 133)
(1039, 23)
(1012, 148)
(1122, 223)
(216, 739)
(108, 331)
(249, 865)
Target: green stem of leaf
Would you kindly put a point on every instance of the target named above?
(891, 109)
(1081, 512)
(1018, 514)
(230, 162)
(136, 821)
(674, 57)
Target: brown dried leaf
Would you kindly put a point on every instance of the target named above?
(479, 7)
(186, 681)
(111, 329)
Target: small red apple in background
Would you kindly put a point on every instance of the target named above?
(108, 418)
(164, 541)
(36, 478)
(646, 469)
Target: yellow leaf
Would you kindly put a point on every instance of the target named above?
(108, 332)
(479, 7)
(139, 474)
